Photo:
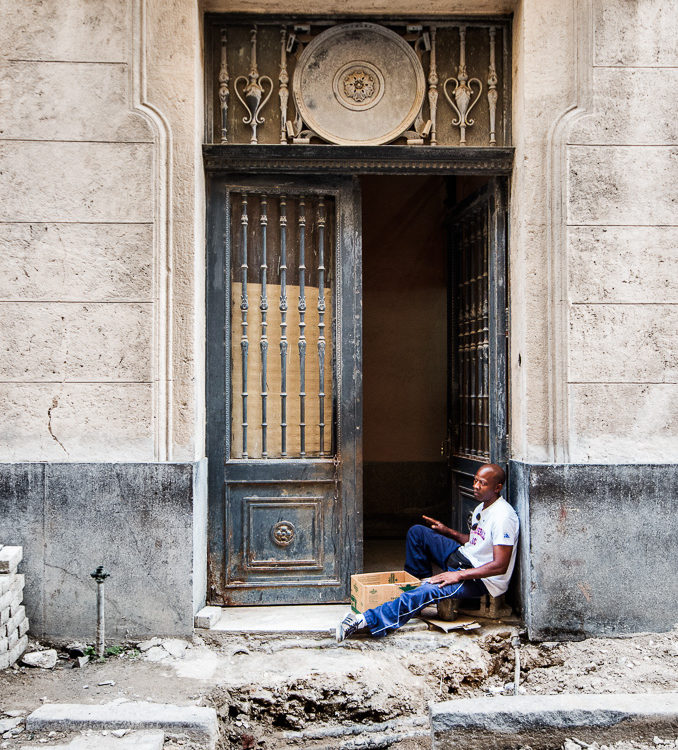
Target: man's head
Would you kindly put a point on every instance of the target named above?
(488, 483)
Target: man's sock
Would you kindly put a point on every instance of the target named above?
(362, 622)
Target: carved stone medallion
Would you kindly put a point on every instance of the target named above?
(359, 84)
(283, 533)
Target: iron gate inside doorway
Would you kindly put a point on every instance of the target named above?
(478, 421)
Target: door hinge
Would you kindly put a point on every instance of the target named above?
(335, 462)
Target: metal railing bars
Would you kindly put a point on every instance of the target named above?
(263, 341)
(244, 305)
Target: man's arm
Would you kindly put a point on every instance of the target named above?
(499, 565)
(440, 528)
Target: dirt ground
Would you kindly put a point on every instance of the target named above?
(306, 692)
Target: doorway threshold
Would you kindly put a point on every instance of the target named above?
(307, 619)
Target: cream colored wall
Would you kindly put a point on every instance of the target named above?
(77, 293)
(622, 241)
(101, 230)
(102, 226)
(543, 90)
(594, 269)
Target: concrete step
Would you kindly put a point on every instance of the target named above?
(195, 722)
(142, 740)
(307, 619)
(546, 721)
(281, 620)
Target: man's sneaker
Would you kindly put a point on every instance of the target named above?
(349, 625)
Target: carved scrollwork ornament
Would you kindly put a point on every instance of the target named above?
(463, 98)
(359, 83)
(253, 97)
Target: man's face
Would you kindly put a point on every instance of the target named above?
(485, 485)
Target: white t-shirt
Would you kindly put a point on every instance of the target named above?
(498, 524)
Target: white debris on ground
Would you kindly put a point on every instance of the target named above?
(657, 743)
(43, 659)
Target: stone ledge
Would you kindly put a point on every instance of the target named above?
(196, 722)
(143, 740)
(543, 721)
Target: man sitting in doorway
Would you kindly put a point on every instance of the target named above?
(473, 564)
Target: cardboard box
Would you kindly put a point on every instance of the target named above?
(372, 589)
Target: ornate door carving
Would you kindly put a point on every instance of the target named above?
(358, 84)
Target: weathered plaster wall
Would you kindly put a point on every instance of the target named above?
(599, 554)
(102, 241)
(594, 271)
(100, 332)
(101, 226)
(76, 237)
(622, 240)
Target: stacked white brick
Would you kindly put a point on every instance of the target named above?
(13, 620)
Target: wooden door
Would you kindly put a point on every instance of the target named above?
(284, 390)
(477, 404)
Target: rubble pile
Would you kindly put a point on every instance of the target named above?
(362, 684)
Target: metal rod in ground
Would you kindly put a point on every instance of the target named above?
(100, 575)
(515, 643)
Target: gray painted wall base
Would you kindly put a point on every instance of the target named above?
(145, 522)
(598, 550)
(597, 553)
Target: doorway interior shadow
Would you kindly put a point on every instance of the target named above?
(408, 378)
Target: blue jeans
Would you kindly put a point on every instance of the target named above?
(423, 546)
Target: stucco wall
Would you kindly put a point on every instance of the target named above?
(145, 523)
(102, 257)
(622, 235)
(98, 331)
(76, 237)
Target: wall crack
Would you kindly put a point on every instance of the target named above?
(55, 403)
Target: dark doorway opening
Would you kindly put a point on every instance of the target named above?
(412, 369)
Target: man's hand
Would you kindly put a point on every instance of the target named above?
(447, 578)
(437, 526)
(440, 528)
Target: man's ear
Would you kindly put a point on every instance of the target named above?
(499, 488)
